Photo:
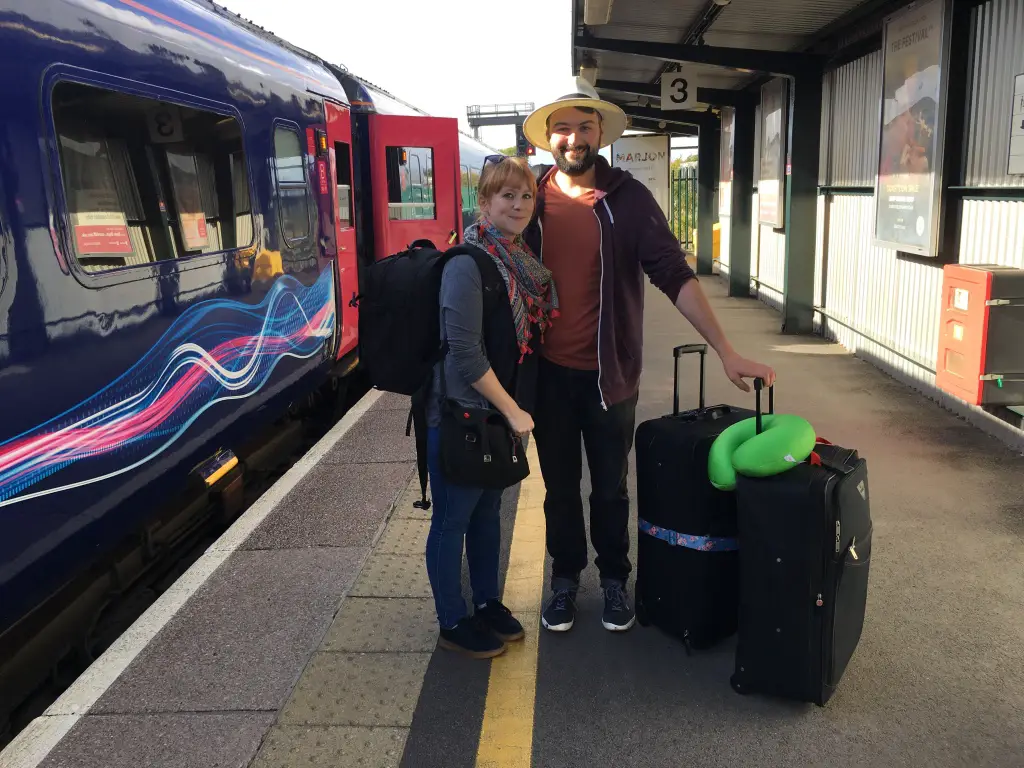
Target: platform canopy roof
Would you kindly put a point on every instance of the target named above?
(624, 46)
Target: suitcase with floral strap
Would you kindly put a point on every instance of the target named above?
(687, 578)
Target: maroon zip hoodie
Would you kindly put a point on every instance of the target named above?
(635, 238)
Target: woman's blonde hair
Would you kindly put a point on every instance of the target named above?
(509, 170)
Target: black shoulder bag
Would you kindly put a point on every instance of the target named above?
(478, 448)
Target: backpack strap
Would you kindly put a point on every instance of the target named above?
(493, 283)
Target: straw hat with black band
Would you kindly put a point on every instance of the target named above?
(582, 94)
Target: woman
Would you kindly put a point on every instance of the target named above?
(506, 192)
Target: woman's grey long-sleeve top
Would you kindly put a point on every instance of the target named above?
(461, 305)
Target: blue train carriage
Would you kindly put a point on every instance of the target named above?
(185, 203)
(169, 273)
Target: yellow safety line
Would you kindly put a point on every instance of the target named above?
(506, 736)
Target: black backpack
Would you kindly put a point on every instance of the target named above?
(400, 327)
(399, 318)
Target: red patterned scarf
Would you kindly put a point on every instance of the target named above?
(531, 291)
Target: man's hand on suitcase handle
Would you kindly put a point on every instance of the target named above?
(693, 305)
(738, 368)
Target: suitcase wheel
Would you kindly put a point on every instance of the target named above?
(641, 613)
(737, 686)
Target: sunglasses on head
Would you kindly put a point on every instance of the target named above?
(496, 159)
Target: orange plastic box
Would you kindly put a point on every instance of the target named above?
(981, 334)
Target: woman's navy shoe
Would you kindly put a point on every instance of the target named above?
(471, 637)
(500, 620)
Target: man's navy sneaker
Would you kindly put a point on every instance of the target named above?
(471, 637)
(618, 614)
(500, 620)
(561, 611)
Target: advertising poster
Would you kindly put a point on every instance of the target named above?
(910, 146)
(725, 162)
(1016, 162)
(648, 159)
(774, 129)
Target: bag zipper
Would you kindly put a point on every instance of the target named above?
(600, 303)
(819, 603)
(837, 566)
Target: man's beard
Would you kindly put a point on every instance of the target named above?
(574, 167)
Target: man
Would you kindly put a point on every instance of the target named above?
(599, 230)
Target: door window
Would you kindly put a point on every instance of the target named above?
(410, 173)
(343, 184)
(292, 190)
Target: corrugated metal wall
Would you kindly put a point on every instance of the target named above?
(771, 270)
(876, 305)
(857, 94)
(755, 241)
(887, 309)
(884, 308)
(723, 251)
(771, 245)
(820, 244)
(874, 300)
(997, 56)
(992, 233)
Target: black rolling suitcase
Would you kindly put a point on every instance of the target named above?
(687, 578)
(805, 553)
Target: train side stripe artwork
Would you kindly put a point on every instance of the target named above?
(215, 351)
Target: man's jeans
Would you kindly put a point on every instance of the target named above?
(568, 408)
(460, 513)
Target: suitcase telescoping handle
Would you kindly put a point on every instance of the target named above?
(677, 353)
(758, 386)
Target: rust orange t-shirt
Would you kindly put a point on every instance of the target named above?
(572, 251)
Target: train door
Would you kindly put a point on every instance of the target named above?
(339, 153)
(415, 171)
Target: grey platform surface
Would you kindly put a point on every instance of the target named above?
(938, 679)
(208, 688)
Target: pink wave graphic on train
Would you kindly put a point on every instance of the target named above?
(217, 351)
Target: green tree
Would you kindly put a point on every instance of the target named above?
(511, 151)
(678, 162)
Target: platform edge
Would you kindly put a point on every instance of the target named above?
(38, 739)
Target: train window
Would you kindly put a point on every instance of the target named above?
(343, 184)
(292, 190)
(467, 190)
(474, 184)
(410, 173)
(145, 180)
(187, 198)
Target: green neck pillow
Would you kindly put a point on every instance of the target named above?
(785, 440)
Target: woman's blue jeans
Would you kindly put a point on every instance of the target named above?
(460, 514)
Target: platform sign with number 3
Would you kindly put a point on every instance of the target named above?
(165, 124)
(679, 90)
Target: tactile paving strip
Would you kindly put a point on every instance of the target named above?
(393, 576)
(404, 508)
(404, 537)
(369, 689)
(384, 625)
(336, 747)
